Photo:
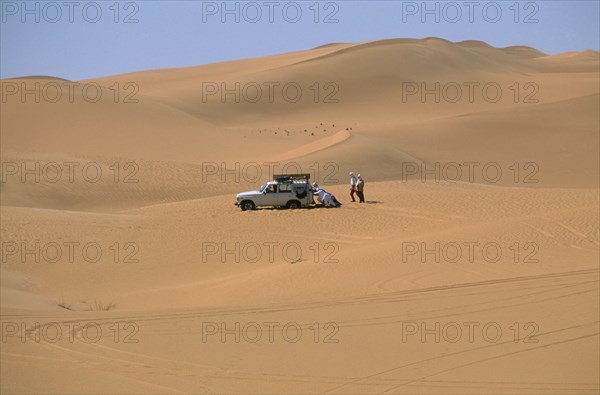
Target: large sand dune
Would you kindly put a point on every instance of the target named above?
(178, 267)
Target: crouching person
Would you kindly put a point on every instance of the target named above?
(324, 197)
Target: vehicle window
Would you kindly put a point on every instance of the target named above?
(285, 188)
(272, 188)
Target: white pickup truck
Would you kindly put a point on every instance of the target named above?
(291, 191)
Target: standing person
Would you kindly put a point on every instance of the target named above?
(353, 182)
(360, 188)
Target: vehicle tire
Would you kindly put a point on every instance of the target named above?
(292, 204)
(247, 205)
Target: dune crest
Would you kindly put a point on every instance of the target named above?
(318, 145)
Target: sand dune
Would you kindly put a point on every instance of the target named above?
(315, 146)
(146, 245)
(367, 81)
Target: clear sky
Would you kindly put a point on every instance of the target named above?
(84, 39)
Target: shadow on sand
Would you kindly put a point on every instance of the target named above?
(316, 206)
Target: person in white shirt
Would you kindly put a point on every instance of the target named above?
(353, 183)
(317, 191)
(324, 197)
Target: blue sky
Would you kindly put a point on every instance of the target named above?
(84, 39)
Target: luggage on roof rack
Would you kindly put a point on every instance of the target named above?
(291, 177)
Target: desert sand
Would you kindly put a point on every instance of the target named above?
(126, 268)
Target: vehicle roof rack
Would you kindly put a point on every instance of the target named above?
(291, 177)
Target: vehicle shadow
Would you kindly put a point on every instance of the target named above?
(313, 207)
